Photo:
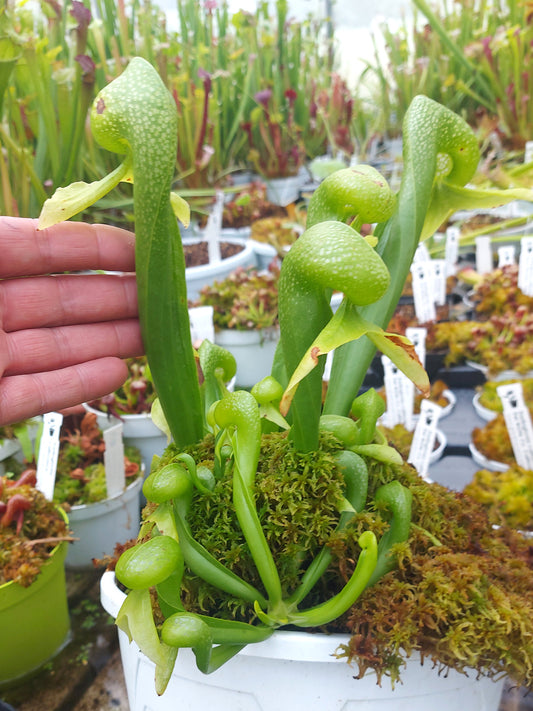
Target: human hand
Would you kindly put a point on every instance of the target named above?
(62, 336)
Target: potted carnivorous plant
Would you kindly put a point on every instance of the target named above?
(272, 515)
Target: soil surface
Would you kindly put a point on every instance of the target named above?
(197, 254)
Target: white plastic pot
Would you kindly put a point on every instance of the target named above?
(264, 253)
(205, 274)
(482, 461)
(292, 670)
(101, 525)
(484, 412)
(253, 352)
(452, 401)
(283, 191)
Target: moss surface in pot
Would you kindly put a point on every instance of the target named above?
(506, 496)
(489, 398)
(379, 517)
(493, 441)
(30, 528)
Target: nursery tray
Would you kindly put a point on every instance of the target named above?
(460, 376)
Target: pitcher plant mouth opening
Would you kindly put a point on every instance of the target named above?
(256, 450)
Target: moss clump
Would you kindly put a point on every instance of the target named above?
(493, 441)
(24, 552)
(462, 593)
(506, 496)
(489, 398)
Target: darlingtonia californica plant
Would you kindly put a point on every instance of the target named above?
(269, 509)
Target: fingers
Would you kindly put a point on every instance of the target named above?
(23, 396)
(68, 246)
(43, 349)
(67, 299)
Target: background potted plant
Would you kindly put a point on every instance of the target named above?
(262, 584)
(491, 446)
(507, 496)
(499, 346)
(132, 404)
(487, 402)
(245, 316)
(98, 521)
(34, 617)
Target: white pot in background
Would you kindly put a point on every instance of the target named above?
(204, 274)
(484, 412)
(265, 254)
(283, 191)
(482, 461)
(101, 525)
(293, 670)
(253, 351)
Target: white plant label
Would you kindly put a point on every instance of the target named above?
(424, 437)
(525, 266)
(202, 326)
(451, 249)
(213, 227)
(400, 393)
(421, 254)
(329, 364)
(506, 255)
(417, 336)
(423, 291)
(48, 454)
(483, 255)
(115, 475)
(528, 152)
(439, 281)
(518, 421)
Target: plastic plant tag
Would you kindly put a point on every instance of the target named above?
(528, 152)
(202, 326)
(48, 454)
(525, 266)
(327, 368)
(115, 475)
(506, 255)
(518, 421)
(451, 249)
(424, 437)
(423, 291)
(421, 253)
(400, 396)
(439, 281)
(417, 335)
(483, 254)
(213, 229)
